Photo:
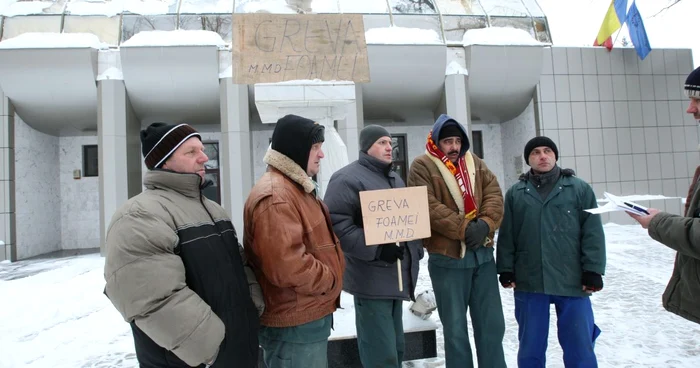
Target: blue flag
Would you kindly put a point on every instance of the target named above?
(638, 33)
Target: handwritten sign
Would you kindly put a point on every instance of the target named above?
(395, 215)
(269, 48)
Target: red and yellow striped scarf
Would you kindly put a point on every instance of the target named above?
(460, 173)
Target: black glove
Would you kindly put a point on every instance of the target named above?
(389, 253)
(475, 234)
(506, 278)
(592, 281)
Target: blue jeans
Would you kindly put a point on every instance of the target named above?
(380, 336)
(475, 289)
(576, 329)
(303, 346)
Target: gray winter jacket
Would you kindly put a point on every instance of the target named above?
(367, 276)
(173, 270)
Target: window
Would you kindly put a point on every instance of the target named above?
(212, 191)
(477, 144)
(398, 155)
(90, 161)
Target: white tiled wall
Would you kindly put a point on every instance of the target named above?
(37, 191)
(515, 134)
(621, 124)
(80, 198)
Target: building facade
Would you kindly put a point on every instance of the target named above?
(78, 82)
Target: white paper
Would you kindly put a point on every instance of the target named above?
(616, 203)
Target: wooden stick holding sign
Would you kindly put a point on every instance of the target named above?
(395, 216)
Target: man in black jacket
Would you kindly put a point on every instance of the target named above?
(369, 275)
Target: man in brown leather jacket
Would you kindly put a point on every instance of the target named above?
(466, 208)
(292, 249)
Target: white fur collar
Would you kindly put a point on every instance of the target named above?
(289, 168)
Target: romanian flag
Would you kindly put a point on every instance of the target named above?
(614, 19)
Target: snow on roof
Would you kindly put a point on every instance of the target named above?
(108, 8)
(402, 36)
(265, 6)
(111, 73)
(504, 36)
(455, 68)
(179, 37)
(13, 8)
(206, 6)
(150, 7)
(53, 40)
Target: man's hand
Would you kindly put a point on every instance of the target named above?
(475, 234)
(591, 282)
(507, 280)
(389, 253)
(644, 220)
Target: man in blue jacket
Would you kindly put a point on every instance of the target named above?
(552, 252)
(369, 275)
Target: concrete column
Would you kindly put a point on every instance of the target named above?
(8, 244)
(119, 151)
(349, 128)
(235, 159)
(457, 100)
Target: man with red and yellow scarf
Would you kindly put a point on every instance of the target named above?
(466, 208)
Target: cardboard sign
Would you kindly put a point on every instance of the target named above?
(395, 215)
(270, 48)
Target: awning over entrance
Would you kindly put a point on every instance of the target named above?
(52, 89)
(502, 79)
(172, 83)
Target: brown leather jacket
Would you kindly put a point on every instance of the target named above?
(290, 244)
(446, 224)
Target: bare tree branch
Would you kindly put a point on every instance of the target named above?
(673, 2)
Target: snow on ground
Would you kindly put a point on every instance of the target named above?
(55, 315)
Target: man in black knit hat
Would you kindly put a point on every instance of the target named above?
(290, 242)
(174, 268)
(682, 233)
(551, 252)
(369, 276)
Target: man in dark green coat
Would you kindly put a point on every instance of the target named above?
(682, 295)
(551, 252)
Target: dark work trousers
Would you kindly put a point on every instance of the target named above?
(475, 289)
(380, 336)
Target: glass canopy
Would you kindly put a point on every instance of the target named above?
(115, 21)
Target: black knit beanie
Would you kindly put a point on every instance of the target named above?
(451, 129)
(370, 134)
(294, 136)
(692, 84)
(541, 141)
(160, 140)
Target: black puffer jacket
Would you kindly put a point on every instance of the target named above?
(174, 271)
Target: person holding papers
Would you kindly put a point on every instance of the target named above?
(369, 275)
(682, 233)
(466, 207)
(552, 252)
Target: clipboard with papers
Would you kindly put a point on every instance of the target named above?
(616, 203)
